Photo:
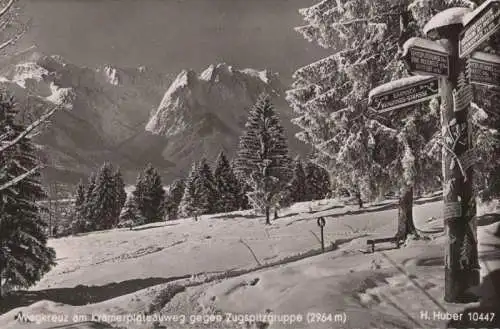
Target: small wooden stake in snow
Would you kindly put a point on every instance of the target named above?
(321, 224)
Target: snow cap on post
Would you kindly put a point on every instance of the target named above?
(396, 84)
(441, 46)
(442, 21)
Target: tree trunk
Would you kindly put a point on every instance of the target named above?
(360, 201)
(405, 214)
(268, 221)
(275, 213)
(1, 287)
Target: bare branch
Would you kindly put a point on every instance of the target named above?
(6, 8)
(19, 178)
(28, 129)
(13, 39)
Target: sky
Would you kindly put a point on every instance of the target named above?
(171, 35)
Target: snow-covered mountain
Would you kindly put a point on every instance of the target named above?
(117, 114)
(201, 114)
(102, 110)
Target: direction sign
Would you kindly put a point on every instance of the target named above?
(398, 94)
(484, 69)
(484, 23)
(428, 62)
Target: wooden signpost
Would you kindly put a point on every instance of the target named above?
(403, 93)
(457, 67)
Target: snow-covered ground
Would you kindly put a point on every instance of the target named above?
(342, 288)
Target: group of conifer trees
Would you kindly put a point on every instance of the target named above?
(99, 202)
(207, 191)
(262, 176)
(103, 204)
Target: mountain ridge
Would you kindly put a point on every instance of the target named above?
(135, 116)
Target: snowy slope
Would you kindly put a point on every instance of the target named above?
(367, 290)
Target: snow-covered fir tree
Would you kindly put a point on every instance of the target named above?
(188, 205)
(317, 182)
(298, 184)
(89, 205)
(227, 185)
(79, 199)
(24, 254)
(173, 199)
(263, 158)
(330, 95)
(486, 121)
(206, 189)
(243, 187)
(104, 199)
(129, 215)
(149, 195)
(121, 194)
(78, 220)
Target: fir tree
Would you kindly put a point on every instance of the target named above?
(174, 198)
(298, 185)
(78, 222)
(242, 201)
(129, 215)
(79, 199)
(104, 199)
(149, 195)
(329, 96)
(263, 156)
(189, 200)
(24, 255)
(89, 205)
(121, 194)
(206, 189)
(486, 123)
(227, 186)
(317, 182)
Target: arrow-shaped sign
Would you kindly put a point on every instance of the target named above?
(481, 24)
(403, 93)
(484, 69)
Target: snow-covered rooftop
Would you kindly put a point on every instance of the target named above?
(396, 84)
(447, 17)
(441, 46)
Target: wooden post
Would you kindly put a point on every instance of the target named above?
(461, 255)
(322, 240)
(321, 224)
